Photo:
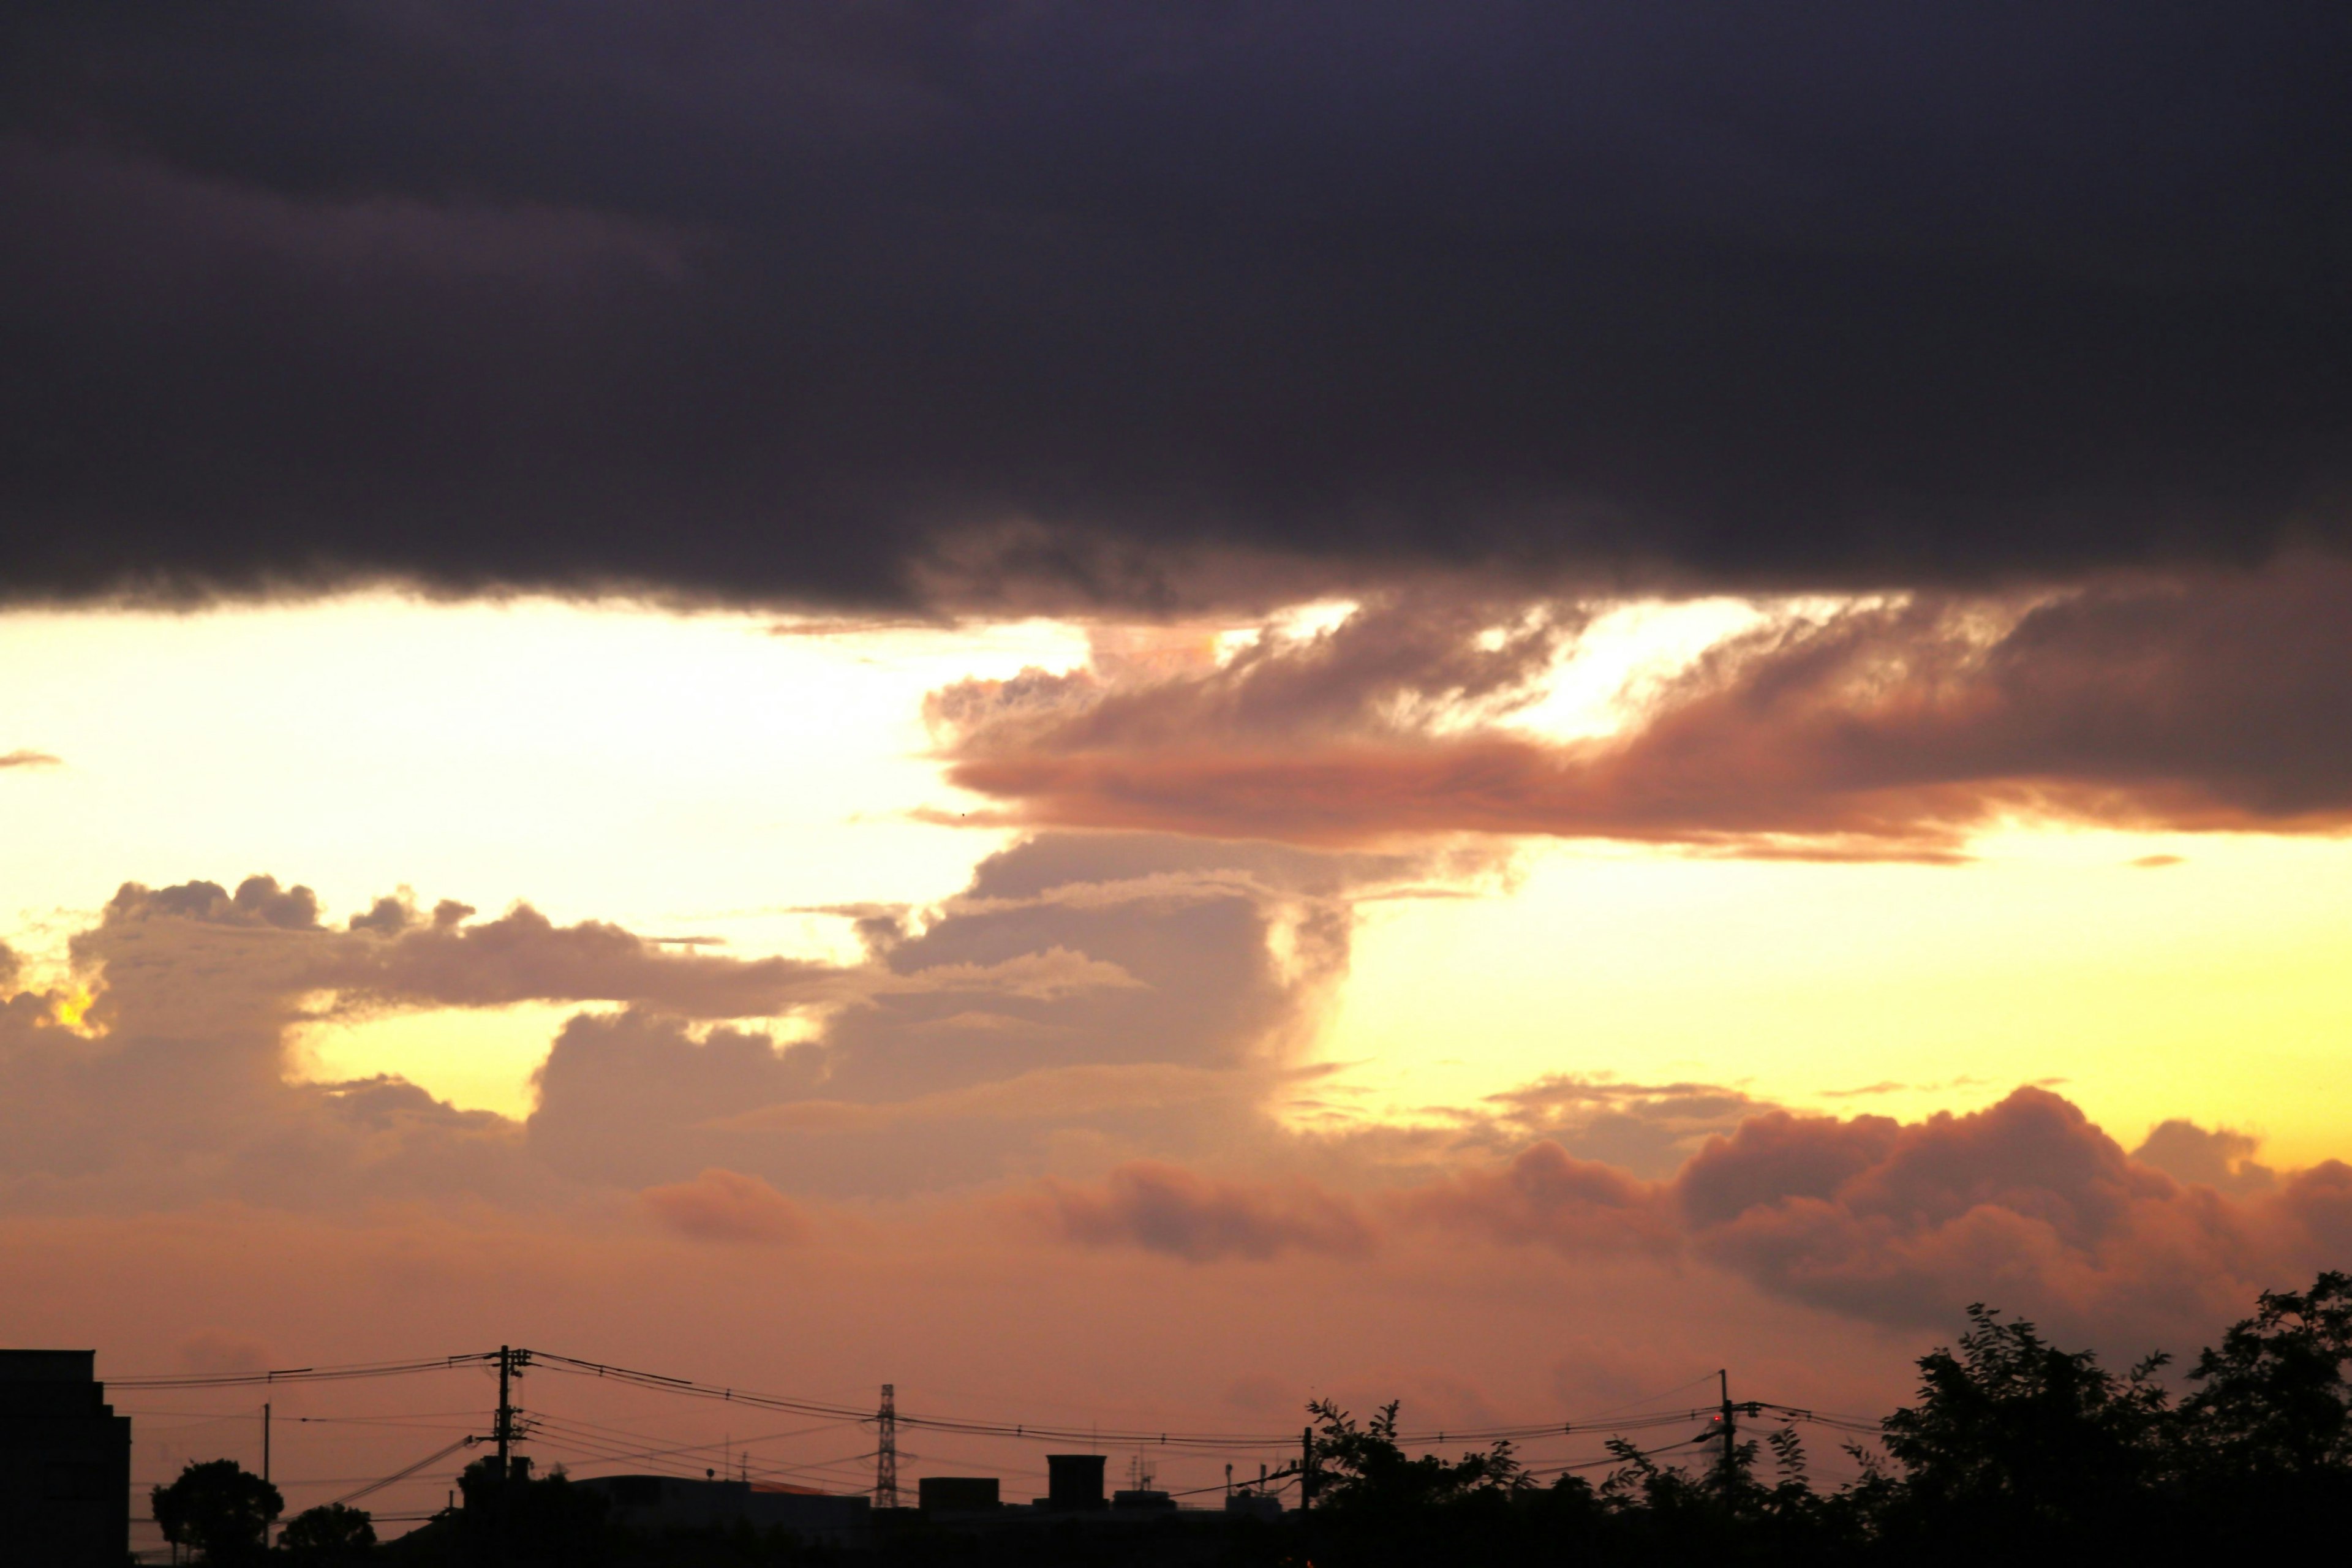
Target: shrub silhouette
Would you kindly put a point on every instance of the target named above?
(218, 1507)
(327, 1535)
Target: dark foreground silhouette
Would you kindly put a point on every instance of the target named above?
(2015, 1451)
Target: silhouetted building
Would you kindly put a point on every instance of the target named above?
(1248, 1504)
(1141, 1499)
(957, 1494)
(1074, 1482)
(673, 1502)
(65, 1463)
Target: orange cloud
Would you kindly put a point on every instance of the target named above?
(1547, 1194)
(1148, 1100)
(1883, 729)
(724, 1205)
(2026, 1202)
(1165, 1208)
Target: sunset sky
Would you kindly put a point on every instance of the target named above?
(1129, 712)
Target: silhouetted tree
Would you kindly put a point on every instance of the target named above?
(1366, 1467)
(1375, 1505)
(2016, 1441)
(329, 1534)
(2275, 1399)
(218, 1507)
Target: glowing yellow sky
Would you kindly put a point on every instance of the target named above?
(2216, 988)
(700, 776)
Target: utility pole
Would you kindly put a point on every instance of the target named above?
(505, 1431)
(885, 1456)
(1305, 1469)
(1730, 1439)
(265, 1440)
(502, 1430)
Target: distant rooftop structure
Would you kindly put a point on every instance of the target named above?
(65, 1463)
(957, 1494)
(1074, 1482)
(675, 1502)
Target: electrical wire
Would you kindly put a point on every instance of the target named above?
(602, 1449)
(372, 1487)
(1228, 1442)
(299, 1373)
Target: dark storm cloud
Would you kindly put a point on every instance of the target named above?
(1107, 301)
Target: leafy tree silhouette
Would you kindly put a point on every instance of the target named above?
(2275, 1399)
(218, 1507)
(1375, 1505)
(1365, 1467)
(329, 1534)
(2016, 1441)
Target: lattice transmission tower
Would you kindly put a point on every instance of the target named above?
(886, 1455)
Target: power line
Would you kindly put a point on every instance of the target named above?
(509, 1427)
(1024, 1431)
(438, 1453)
(299, 1373)
(512, 1359)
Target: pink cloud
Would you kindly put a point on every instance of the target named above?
(2026, 1203)
(723, 1205)
(1546, 1194)
(1168, 1209)
(1884, 730)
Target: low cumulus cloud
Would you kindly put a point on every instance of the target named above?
(1094, 1036)
(1648, 1129)
(2218, 1157)
(1870, 730)
(162, 1071)
(524, 956)
(725, 1206)
(2026, 1203)
(392, 956)
(1083, 1000)
(1086, 996)
(1168, 1209)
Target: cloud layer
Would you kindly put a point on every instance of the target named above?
(1084, 997)
(1872, 729)
(1137, 301)
(1084, 1053)
(2026, 1203)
